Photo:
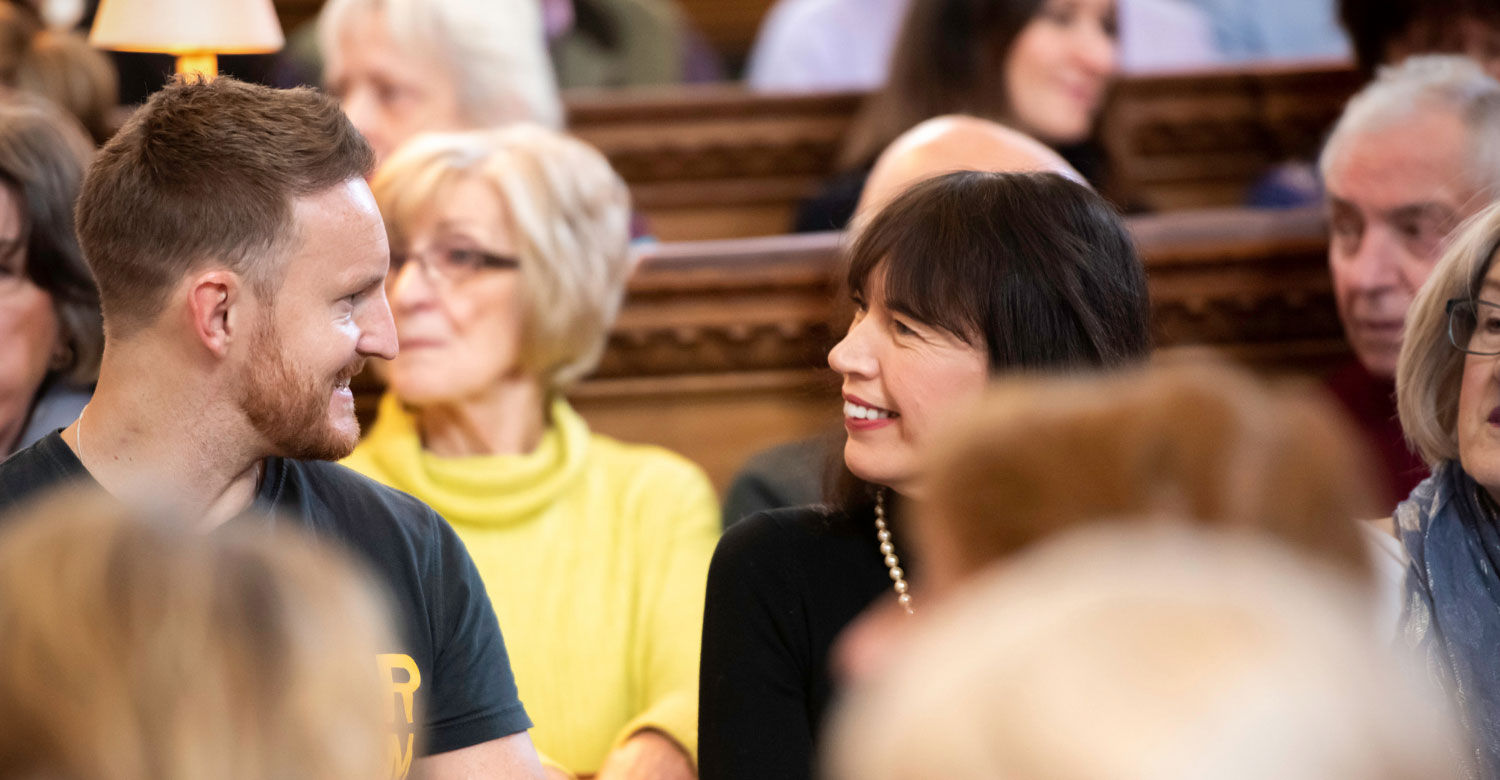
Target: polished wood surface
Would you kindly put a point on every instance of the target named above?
(719, 161)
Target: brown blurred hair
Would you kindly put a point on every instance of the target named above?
(207, 172)
(1203, 442)
(949, 58)
(58, 65)
(139, 649)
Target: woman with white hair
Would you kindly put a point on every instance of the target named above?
(1448, 396)
(403, 67)
(508, 264)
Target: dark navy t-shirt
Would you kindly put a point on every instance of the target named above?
(450, 680)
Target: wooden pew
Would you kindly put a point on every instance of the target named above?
(718, 161)
(720, 349)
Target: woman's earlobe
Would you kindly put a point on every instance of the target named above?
(62, 355)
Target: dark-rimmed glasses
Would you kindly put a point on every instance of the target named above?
(1474, 326)
(453, 265)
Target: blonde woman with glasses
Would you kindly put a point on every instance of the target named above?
(1448, 395)
(509, 256)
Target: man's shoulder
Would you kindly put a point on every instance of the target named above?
(327, 494)
(46, 464)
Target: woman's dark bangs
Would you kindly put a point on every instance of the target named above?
(923, 254)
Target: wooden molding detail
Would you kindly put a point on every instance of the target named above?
(1236, 279)
(720, 161)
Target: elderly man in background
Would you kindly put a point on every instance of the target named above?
(1414, 154)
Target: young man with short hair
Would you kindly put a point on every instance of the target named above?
(241, 261)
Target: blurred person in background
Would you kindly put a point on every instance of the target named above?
(59, 65)
(1413, 155)
(509, 262)
(838, 45)
(961, 278)
(403, 67)
(1159, 651)
(622, 43)
(138, 649)
(1385, 32)
(51, 335)
(1448, 395)
(1040, 67)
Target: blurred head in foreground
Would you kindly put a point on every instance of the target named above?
(137, 650)
(1136, 653)
(1205, 442)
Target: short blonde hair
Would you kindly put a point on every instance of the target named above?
(1430, 370)
(138, 649)
(570, 215)
(495, 52)
(1139, 651)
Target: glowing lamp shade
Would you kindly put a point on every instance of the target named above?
(197, 31)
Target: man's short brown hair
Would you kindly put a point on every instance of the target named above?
(207, 171)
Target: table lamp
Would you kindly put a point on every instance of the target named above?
(197, 31)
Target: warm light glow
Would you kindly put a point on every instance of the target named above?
(191, 29)
(206, 65)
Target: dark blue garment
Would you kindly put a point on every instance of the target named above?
(1452, 613)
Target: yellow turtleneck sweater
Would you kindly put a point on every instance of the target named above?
(595, 554)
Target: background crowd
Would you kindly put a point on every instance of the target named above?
(1036, 546)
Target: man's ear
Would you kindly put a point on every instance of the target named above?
(216, 305)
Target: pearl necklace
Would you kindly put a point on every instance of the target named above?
(892, 563)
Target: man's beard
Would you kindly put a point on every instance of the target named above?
(290, 409)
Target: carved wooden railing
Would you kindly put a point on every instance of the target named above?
(720, 161)
(720, 349)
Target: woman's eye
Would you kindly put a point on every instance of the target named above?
(902, 328)
(1490, 324)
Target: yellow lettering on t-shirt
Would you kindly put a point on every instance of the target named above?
(406, 689)
(401, 757)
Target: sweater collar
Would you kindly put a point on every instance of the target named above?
(480, 490)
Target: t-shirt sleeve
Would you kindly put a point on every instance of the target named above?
(752, 710)
(473, 698)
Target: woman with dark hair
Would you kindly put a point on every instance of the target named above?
(51, 335)
(959, 279)
(1038, 66)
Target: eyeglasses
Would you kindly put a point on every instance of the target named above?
(1474, 326)
(450, 264)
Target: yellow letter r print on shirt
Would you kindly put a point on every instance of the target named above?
(401, 674)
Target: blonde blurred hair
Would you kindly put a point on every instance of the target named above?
(1430, 369)
(1196, 439)
(1147, 652)
(495, 51)
(569, 213)
(136, 649)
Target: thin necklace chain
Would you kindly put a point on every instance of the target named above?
(79, 434)
(888, 549)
